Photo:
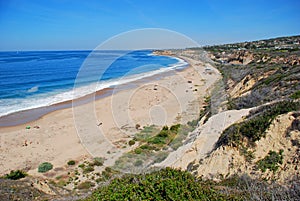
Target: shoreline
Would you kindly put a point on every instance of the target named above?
(27, 116)
(167, 99)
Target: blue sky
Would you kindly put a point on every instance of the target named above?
(73, 24)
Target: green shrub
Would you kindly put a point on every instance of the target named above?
(88, 169)
(58, 177)
(193, 123)
(85, 185)
(147, 147)
(248, 155)
(175, 128)
(81, 165)
(165, 128)
(160, 156)
(163, 133)
(98, 161)
(295, 95)
(166, 184)
(138, 151)
(271, 161)
(98, 180)
(149, 129)
(131, 142)
(61, 183)
(108, 169)
(71, 162)
(138, 163)
(157, 140)
(273, 78)
(15, 175)
(45, 167)
(108, 173)
(146, 133)
(255, 128)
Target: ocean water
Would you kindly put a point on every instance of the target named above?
(34, 79)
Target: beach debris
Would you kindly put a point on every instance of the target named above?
(137, 126)
(126, 126)
(28, 127)
(37, 127)
(155, 87)
(208, 70)
(99, 124)
(189, 81)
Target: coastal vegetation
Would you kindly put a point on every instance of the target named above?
(15, 175)
(45, 167)
(98, 161)
(253, 128)
(154, 145)
(85, 185)
(71, 162)
(295, 95)
(165, 184)
(172, 184)
(271, 161)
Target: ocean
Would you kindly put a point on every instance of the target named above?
(34, 79)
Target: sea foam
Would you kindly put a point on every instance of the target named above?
(14, 105)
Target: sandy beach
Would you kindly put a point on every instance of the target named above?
(104, 127)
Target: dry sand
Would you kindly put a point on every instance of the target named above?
(103, 128)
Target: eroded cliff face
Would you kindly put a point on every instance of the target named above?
(245, 57)
(226, 161)
(242, 87)
(263, 73)
(236, 57)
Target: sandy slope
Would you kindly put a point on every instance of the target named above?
(206, 137)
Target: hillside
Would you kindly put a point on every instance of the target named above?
(267, 71)
(262, 76)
